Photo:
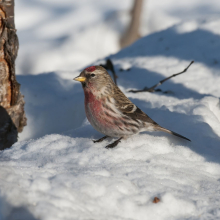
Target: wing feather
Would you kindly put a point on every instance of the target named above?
(126, 107)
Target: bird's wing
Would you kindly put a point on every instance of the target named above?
(125, 106)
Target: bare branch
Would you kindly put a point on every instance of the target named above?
(151, 89)
(132, 32)
(109, 66)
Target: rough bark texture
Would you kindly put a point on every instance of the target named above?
(10, 96)
(132, 33)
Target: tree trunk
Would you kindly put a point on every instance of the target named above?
(132, 33)
(10, 97)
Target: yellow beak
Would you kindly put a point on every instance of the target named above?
(80, 78)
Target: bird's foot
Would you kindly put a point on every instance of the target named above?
(100, 140)
(114, 144)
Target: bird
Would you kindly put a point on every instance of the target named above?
(109, 111)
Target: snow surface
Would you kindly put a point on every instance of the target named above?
(55, 171)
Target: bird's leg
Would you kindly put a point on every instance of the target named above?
(114, 144)
(100, 140)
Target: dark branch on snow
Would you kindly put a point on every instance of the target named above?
(152, 89)
(109, 66)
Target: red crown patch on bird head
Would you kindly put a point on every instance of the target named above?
(90, 69)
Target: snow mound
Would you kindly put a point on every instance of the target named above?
(67, 176)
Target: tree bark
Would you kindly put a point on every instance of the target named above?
(132, 33)
(11, 98)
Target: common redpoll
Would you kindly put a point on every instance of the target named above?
(109, 111)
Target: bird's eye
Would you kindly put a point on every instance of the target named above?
(92, 75)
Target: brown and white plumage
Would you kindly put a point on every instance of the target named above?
(109, 111)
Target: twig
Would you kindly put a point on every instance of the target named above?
(151, 89)
(109, 65)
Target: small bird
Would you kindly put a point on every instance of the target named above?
(109, 111)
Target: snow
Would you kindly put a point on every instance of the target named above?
(55, 171)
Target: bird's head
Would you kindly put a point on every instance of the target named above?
(95, 78)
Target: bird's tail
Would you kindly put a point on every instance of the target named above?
(171, 132)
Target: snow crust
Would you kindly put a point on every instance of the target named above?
(56, 172)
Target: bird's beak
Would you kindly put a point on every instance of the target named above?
(80, 78)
